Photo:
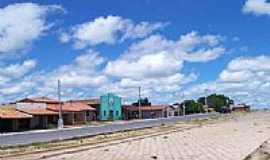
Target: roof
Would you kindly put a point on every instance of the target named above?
(13, 114)
(71, 106)
(39, 100)
(7, 106)
(241, 106)
(38, 111)
(95, 101)
(145, 108)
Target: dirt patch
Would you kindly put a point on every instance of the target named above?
(262, 153)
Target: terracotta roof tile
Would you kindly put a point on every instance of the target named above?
(95, 101)
(39, 100)
(71, 107)
(8, 106)
(13, 114)
(38, 111)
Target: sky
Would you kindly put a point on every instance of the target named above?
(181, 49)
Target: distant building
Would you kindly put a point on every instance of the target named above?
(42, 113)
(240, 108)
(13, 120)
(74, 112)
(110, 107)
(42, 117)
(174, 110)
(46, 100)
(93, 102)
(148, 112)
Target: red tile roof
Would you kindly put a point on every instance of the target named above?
(145, 108)
(71, 107)
(13, 114)
(39, 100)
(38, 111)
(95, 101)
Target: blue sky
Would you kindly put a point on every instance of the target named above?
(174, 50)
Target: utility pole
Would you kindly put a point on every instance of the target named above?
(184, 108)
(184, 105)
(140, 114)
(60, 120)
(205, 100)
(179, 107)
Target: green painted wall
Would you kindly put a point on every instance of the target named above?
(110, 107)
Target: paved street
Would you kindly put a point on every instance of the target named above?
(50, 135)
(229, 140)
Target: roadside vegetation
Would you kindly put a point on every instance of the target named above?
(217, 102)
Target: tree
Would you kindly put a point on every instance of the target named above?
(143, 101)
(192, 106)
(216, 101)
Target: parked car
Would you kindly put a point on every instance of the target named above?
(225, 109)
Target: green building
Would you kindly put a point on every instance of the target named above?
(110, 107)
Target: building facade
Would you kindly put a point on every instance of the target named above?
(43, 113)
(74, 112)
(42, 117)
(12, 120)
(240, 108)
(147, 112)
(110, 107)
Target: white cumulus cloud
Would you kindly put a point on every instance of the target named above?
(151, 65)
(245, 79)
(14, 71)
(156, 64)
(257, 7)
(108, 30)
(82, 74)
(22, 23)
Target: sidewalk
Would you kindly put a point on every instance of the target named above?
(229, 140)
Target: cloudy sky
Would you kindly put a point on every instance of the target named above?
(173, 50)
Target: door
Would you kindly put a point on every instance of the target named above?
(111, 115)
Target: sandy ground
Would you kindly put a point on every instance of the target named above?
(232, 139)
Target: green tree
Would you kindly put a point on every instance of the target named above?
(192, 106)
(143, 102)
(216, 101)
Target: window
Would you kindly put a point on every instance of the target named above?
(117, 112)
(104, 113)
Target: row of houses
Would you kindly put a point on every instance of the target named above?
(43, 112)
